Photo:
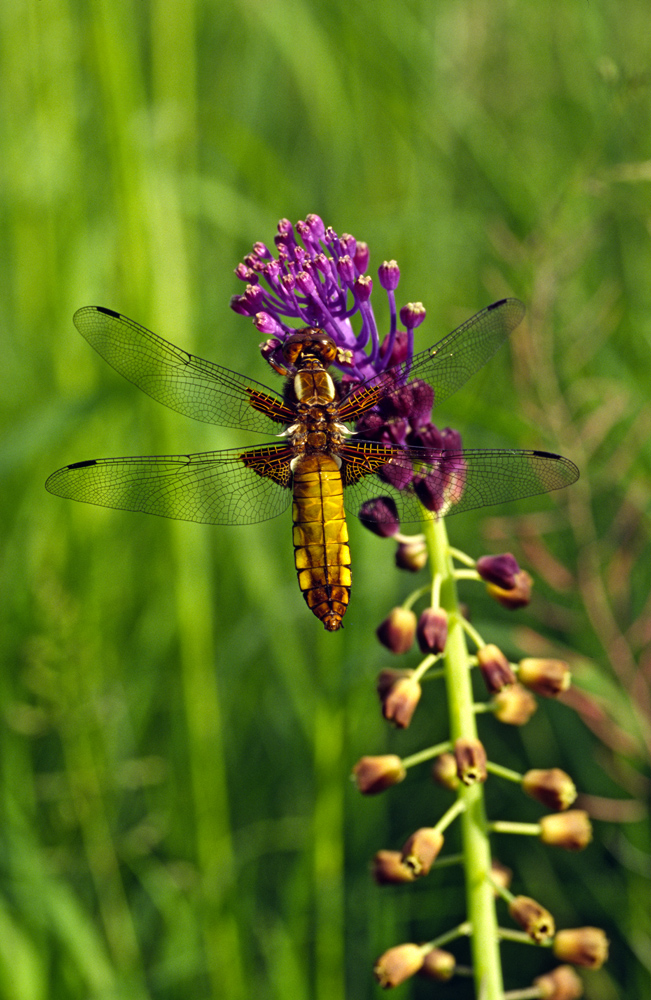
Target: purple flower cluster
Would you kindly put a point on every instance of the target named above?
(404, 418)
(323, 284)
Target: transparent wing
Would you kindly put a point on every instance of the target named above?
(455, 482)
(214, 487)
(447, 365)
(191, 385)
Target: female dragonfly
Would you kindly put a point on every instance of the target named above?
(320, 465)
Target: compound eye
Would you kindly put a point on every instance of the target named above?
(310, 342)
(326, 349)
(293, 348)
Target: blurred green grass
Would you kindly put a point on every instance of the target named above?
(177, 819)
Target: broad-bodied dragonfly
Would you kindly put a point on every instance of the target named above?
(320, 463)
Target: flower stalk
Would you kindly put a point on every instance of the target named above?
(482, 917)
(318, 279)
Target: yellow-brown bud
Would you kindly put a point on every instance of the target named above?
(389, 869)
(398, 964)
(514, 705)
(495, 668)
(438, 964)
(518, 596)
(412, 555)
(374, 774)
(562, 983)
(420, 851)
(399, 695)
(587, 946)
(500, 875)
(398, 630)
(533, 918)
(548, 678)
(571, 830)
(553, 787)
(471, 761)
(444, 771)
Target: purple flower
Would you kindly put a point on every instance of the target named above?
(380, 516)
(318, 279)
(323, 283)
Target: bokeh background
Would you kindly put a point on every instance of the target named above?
(177, 730)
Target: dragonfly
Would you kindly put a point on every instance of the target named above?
(318, 463)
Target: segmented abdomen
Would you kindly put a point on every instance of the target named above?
(321, 551)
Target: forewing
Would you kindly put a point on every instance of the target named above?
(236, 486)
(190, 385)
(447, 365)
(459, 481)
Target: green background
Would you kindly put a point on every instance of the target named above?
(177, 730)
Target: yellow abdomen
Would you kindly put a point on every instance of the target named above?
(321, 550)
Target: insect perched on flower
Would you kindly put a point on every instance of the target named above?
(386, 392)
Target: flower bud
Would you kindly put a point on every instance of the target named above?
(380, 516)
(398, 630)
(432, 630)
(363, 287)
(533, 918)
(346, 269)
(305, 283)
(514, 597)
(548, 678)
(374, 774)
(571, 830)
(361, 256)
(412, 315)
(244, 273)
(444, 771)
(471, 761)
(562, 983)
(389, 868)
(499, 570)
(399, 695)
(254, 295)
(554, 788)
(394, 349)
(267, 325)
(412, 555)
(398, 964)
(270, 348)
(347, 244)
(420, 851)
(495, 668)
(239, 305)
(514, 705)
(500, 875)
(587, 946)
(438, 964)
(389, 275)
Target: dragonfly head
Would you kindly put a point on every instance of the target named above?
(310, 344)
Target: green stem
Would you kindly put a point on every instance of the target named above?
(487, 965)
(450, 815)
(460, 556)
(427, 754)
(472, 633)
(511, 826)
(415, 596)
(503, 772)
(424, 666)
(461, 931)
